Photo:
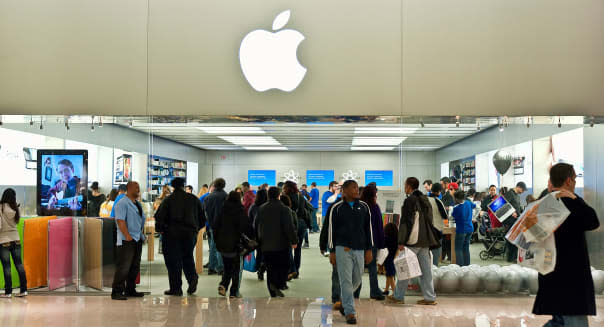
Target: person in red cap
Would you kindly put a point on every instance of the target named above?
(448, 199)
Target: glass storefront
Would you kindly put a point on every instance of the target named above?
(75, 252)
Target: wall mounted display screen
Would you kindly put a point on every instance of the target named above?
(321, 177)
(61, 183)
(259, 177)
(379, 177)
(123, 168)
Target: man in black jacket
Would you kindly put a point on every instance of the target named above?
(513, 198)
(277, 236)
(179, 218)
(350, 243)
(567, 293)
(212, 207)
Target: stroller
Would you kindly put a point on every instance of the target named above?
(493, 239)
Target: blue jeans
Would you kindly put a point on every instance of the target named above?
(8, 250)
(436, 253)
(374, 288)
(335, 285)
(462, 248)
(350, 270)
(567, 321)
(425, 280)
(215, 260)
(313, 220)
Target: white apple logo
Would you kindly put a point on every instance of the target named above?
(269, 60)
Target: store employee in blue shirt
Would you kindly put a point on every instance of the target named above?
(121, 193)
(130, 220)
(326, 202)
(314, 201)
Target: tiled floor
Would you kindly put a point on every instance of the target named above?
(91, 311)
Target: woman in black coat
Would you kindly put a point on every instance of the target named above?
(227, 231)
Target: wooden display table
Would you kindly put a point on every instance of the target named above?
(451, 231)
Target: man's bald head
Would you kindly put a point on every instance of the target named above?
(134, 190)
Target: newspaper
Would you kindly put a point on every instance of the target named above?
(550, 215)
(540, 256)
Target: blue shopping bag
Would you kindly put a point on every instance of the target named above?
(249, 262)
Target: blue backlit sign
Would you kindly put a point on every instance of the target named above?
(259, 177)
(321, 177)
(379, 177)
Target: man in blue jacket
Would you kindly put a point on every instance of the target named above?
(212, 206)
(350, 243)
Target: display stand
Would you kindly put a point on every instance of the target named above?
(60, 253)
(162, 171)
(35, 250)
(108, 245)
(93, 253)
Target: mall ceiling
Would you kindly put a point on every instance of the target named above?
(409, 57)
(307, 133)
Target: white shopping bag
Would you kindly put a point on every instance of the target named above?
(406, 265)
(540, 256)
(381, 256)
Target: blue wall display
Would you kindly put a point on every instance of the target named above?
(259, 177)
(380, 177)
(321, 177)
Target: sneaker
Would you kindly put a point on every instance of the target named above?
(22, 294)
(221, 290)
(326, 254)
(424, 302)
(5, 296)
(275, 291)
(173, 293)
(392, 300)
(192, 286)
(385, 292)
(338, 307)
(305, 246)
(351, 319)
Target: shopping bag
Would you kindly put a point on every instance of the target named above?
(540, 256)
(407, 265)
(414, 234)
(249, 262)
(381, 256)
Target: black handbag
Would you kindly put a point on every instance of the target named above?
(246, 245)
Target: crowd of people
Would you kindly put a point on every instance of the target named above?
(274, 222)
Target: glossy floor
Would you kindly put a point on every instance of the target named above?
(196, 311)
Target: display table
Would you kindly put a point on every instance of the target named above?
(150, 232)
(451, 231)
(199, 252)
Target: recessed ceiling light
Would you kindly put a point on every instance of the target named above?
(377, 140)
(371, 148)
(384, 130)
(262, 148)
(251, 140)
(231, 130)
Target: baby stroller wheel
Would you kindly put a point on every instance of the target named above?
(484, 255)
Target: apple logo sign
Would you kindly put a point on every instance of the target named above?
(269, 60)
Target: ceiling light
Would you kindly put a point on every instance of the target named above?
(477, 125)
(130, 123)
(421, 123)
(384, 130)
(92, 124)
(456, 121)
(528, 121)
(41, 125)
(559, 122)
(232, 130)
(262, 148)
(251, 140)
(31, 120)
(377, 140)
(1, 123)
(591, 123)
(505, 121)
(66, 123)
(371, 148)
(100, 121)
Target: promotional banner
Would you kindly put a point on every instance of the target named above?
(321, 177)
(259, 177)
(379, 177)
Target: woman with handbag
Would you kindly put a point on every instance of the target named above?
(227, 230)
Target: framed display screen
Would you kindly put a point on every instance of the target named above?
(259, 177)
(62, 182)
(321, 177)
(379, 177)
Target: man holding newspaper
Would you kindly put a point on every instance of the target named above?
(554, 237)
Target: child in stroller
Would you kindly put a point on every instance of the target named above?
(493, 239)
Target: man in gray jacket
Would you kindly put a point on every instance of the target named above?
(416, 201)
(277, 236)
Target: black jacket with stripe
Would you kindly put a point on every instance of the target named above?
(349, 226)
